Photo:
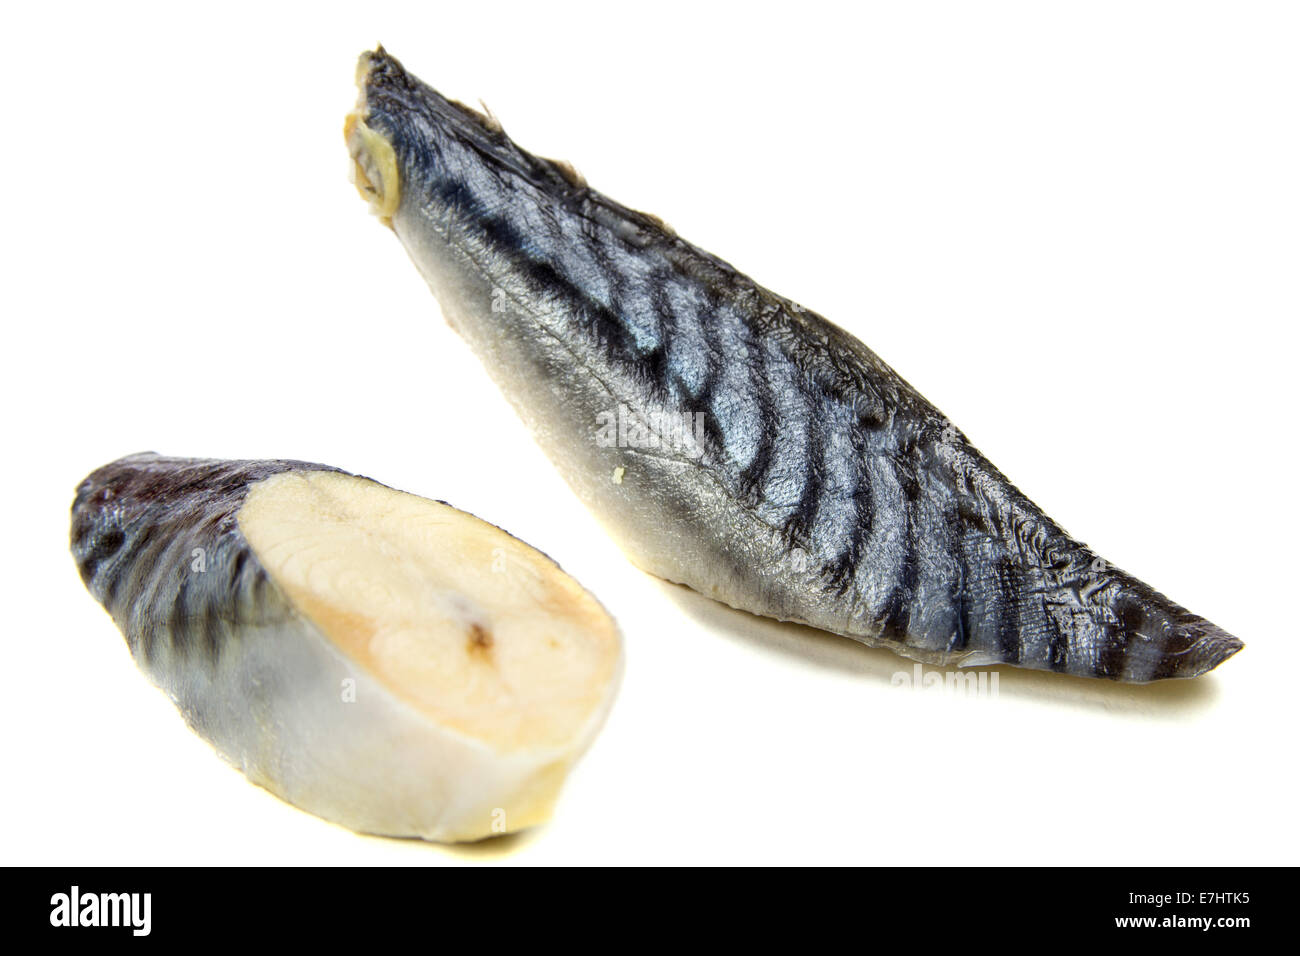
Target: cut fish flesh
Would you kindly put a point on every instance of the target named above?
(376, 658)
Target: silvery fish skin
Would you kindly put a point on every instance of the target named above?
(164, 544)
(731, 440)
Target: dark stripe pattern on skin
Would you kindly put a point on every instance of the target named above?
(136, 525)
(914, 539)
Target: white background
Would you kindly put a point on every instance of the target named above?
(1075, 228)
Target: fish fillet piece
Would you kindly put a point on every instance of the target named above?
(376, 658)
(729, 439)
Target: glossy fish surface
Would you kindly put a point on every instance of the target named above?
(729, 439)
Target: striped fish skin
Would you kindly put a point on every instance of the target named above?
(822, 488)
(144, 524)
(158, 542)
(217, 636)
